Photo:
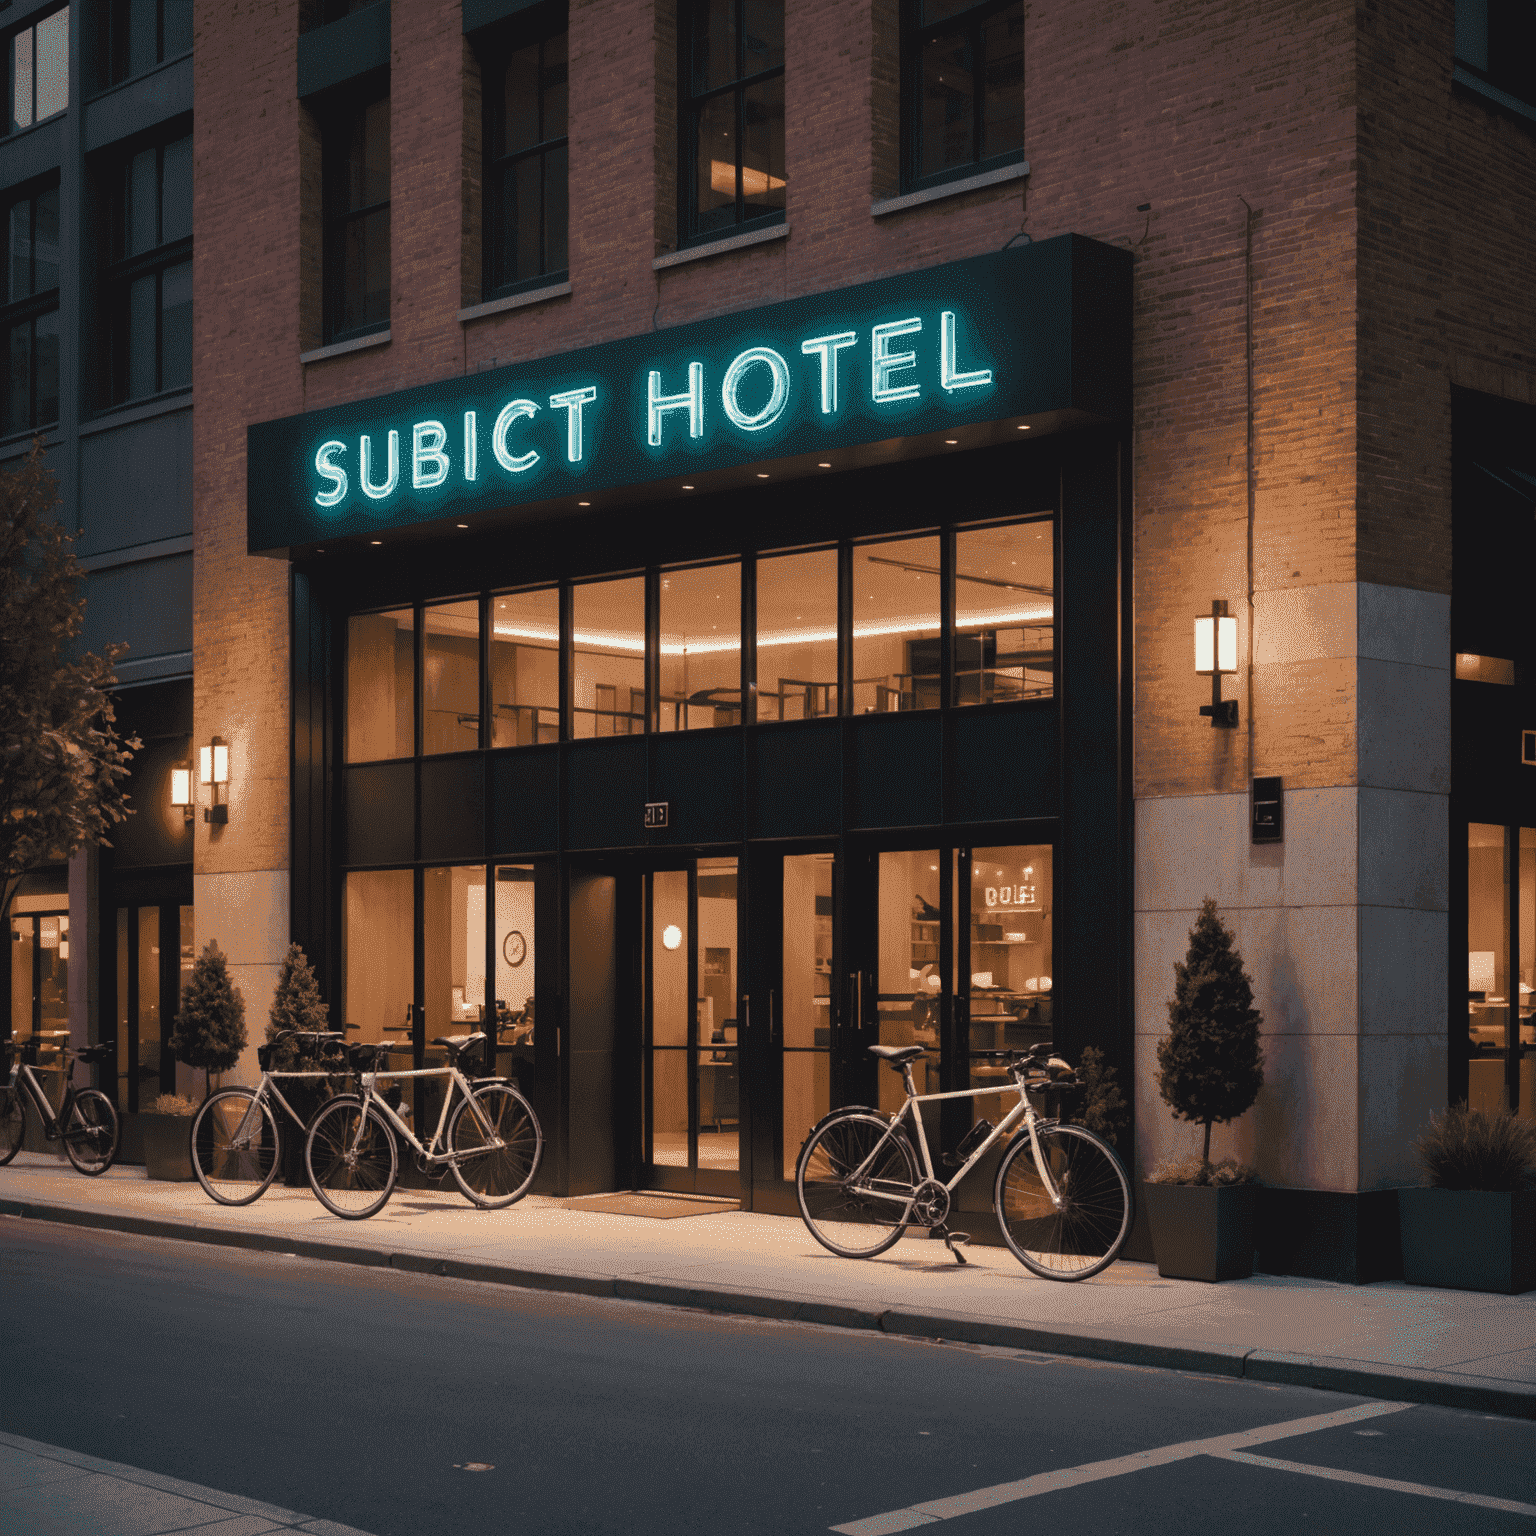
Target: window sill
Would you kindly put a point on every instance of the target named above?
(514, 301)
(878, 210)
(1464, 77)
(341, 348)
(123, 85)
(721, 247)
(136, 410)
(21, 442)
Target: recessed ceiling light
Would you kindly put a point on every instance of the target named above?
(687, 487)
(1025, 427)
(375, 541)
(823, 466)
(463, 525)
(583, 503)
(762, 477)
(951, 441)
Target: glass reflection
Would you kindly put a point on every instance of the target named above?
(896, 626)
(608, 658)
(797, 635)
(381, 685)
(1004, 613)
(525, 668)
(700, 648)
(450, 676)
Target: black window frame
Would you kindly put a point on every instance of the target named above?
(914, 36)
(1496, 46)
(7, 126)
(110, 44)
(338, 117)
(690, 107)
(119, 270)
(28, 310)
(536, 29)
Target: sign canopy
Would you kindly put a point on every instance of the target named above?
(1036, 331)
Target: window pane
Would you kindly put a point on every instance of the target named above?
(714, 44)
(807, 1006)
(450, 719)
(700, 648)
(718, 1061)
(1488, 990)
(513, 954)
(142, 306)
(1002, 101)
(763, 35)
(177, 38)
(453, 924)
(715, 194)
(176, 326)
(18, 395)
(554, 79)
(527, 178)
(556, 175)
(141, 214)
(45, 242)
(940, 10)
(910, 979)
(46, 369)
(520, 101)
(947, 121)
(797, 636)
(365, 271)
(143, 25)
(176, 191)
(380, 683)
(1527, 983)
(19, 268)
(608, 658)
(1004, 613)
(762, 175)
(525, 668)
(377, 936)
(148, 1063)
(21, 80)
(896, 626)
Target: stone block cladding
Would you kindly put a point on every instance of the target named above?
(1312, 147)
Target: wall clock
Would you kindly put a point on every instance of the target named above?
(514, 948)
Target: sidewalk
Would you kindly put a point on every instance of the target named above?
(1461, 1349)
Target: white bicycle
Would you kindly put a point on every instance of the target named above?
(1062, 1199)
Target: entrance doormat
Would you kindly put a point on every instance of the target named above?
(658, 1204)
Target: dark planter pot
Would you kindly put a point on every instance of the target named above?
(1202, 1232)
(1469, 1239)
(168, 1147)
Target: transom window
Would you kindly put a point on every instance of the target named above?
(732, 77)
(962, 88)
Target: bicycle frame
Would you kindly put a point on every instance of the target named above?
(459, 1081)
(25, 1075)
(1023, 1112)
(266, 1088)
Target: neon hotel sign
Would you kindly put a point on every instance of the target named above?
(972, 341)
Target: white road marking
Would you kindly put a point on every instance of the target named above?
(1392, 1484)
(1095, 1471)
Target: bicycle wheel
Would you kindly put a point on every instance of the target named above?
(90, 1133)
(1094, 1219)
(352, 1175)
(237, 1147)
(856, 1222)
(490, 1175)
(13, 1123)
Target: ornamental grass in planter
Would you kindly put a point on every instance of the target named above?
(167, 1131)
(1473, 1226)
(1210, 1069)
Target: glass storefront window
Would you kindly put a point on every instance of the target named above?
(797, 635)
(700, 648)
(1004, 613)
(608, 658)
(896, 626)
(1501, 1024)
(718, 1037)
(378, 927)
(1008, 977)
(513, 954)
(450, 678)
(807, 1002)
(149, 1002)
(525, 668)
(910, 974)
(669, 1018)
(381, 685)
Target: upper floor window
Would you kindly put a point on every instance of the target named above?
(327, 11)
(962, 88)
(147, 282)
(39, 71)
(132, 36)
(526, 162)
(356, 171)
(31, 313)
(732, 86)
(1496, 44)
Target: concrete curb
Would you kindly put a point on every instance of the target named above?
(1360, 1378)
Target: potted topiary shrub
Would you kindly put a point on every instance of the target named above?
(1473, 1226)
(167, 1130)
(208, 1032)
(1210, 1070)
(296, 1005)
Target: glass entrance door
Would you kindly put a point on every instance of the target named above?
(691, 1114)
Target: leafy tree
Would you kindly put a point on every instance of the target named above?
(62, 764)
(295, 1005)
(1210, 1066)
(1103, 1107)
(209, 1031)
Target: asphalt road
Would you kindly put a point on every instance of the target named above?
(364, 1397)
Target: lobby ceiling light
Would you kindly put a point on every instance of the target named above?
(1216, 656)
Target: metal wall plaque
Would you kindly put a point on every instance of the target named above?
(1268, 810)
(656, 814)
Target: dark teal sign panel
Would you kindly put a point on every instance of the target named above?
(1022, 332)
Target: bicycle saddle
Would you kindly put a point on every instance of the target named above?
(89, 1053)
(453, 1044)
(896, 1054)
(362, 1055)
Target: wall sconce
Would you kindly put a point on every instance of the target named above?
(181, 790)
(1216, 653)
(215, 773)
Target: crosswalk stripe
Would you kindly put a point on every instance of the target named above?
(1394, 1485)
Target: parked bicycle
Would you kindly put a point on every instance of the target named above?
(87, 1122)
(492, 1146)
(1062, 1199)
(237, 1140)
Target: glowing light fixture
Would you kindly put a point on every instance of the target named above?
(671, 937)
(214, 772)
(181, 789)
(1216, 654)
